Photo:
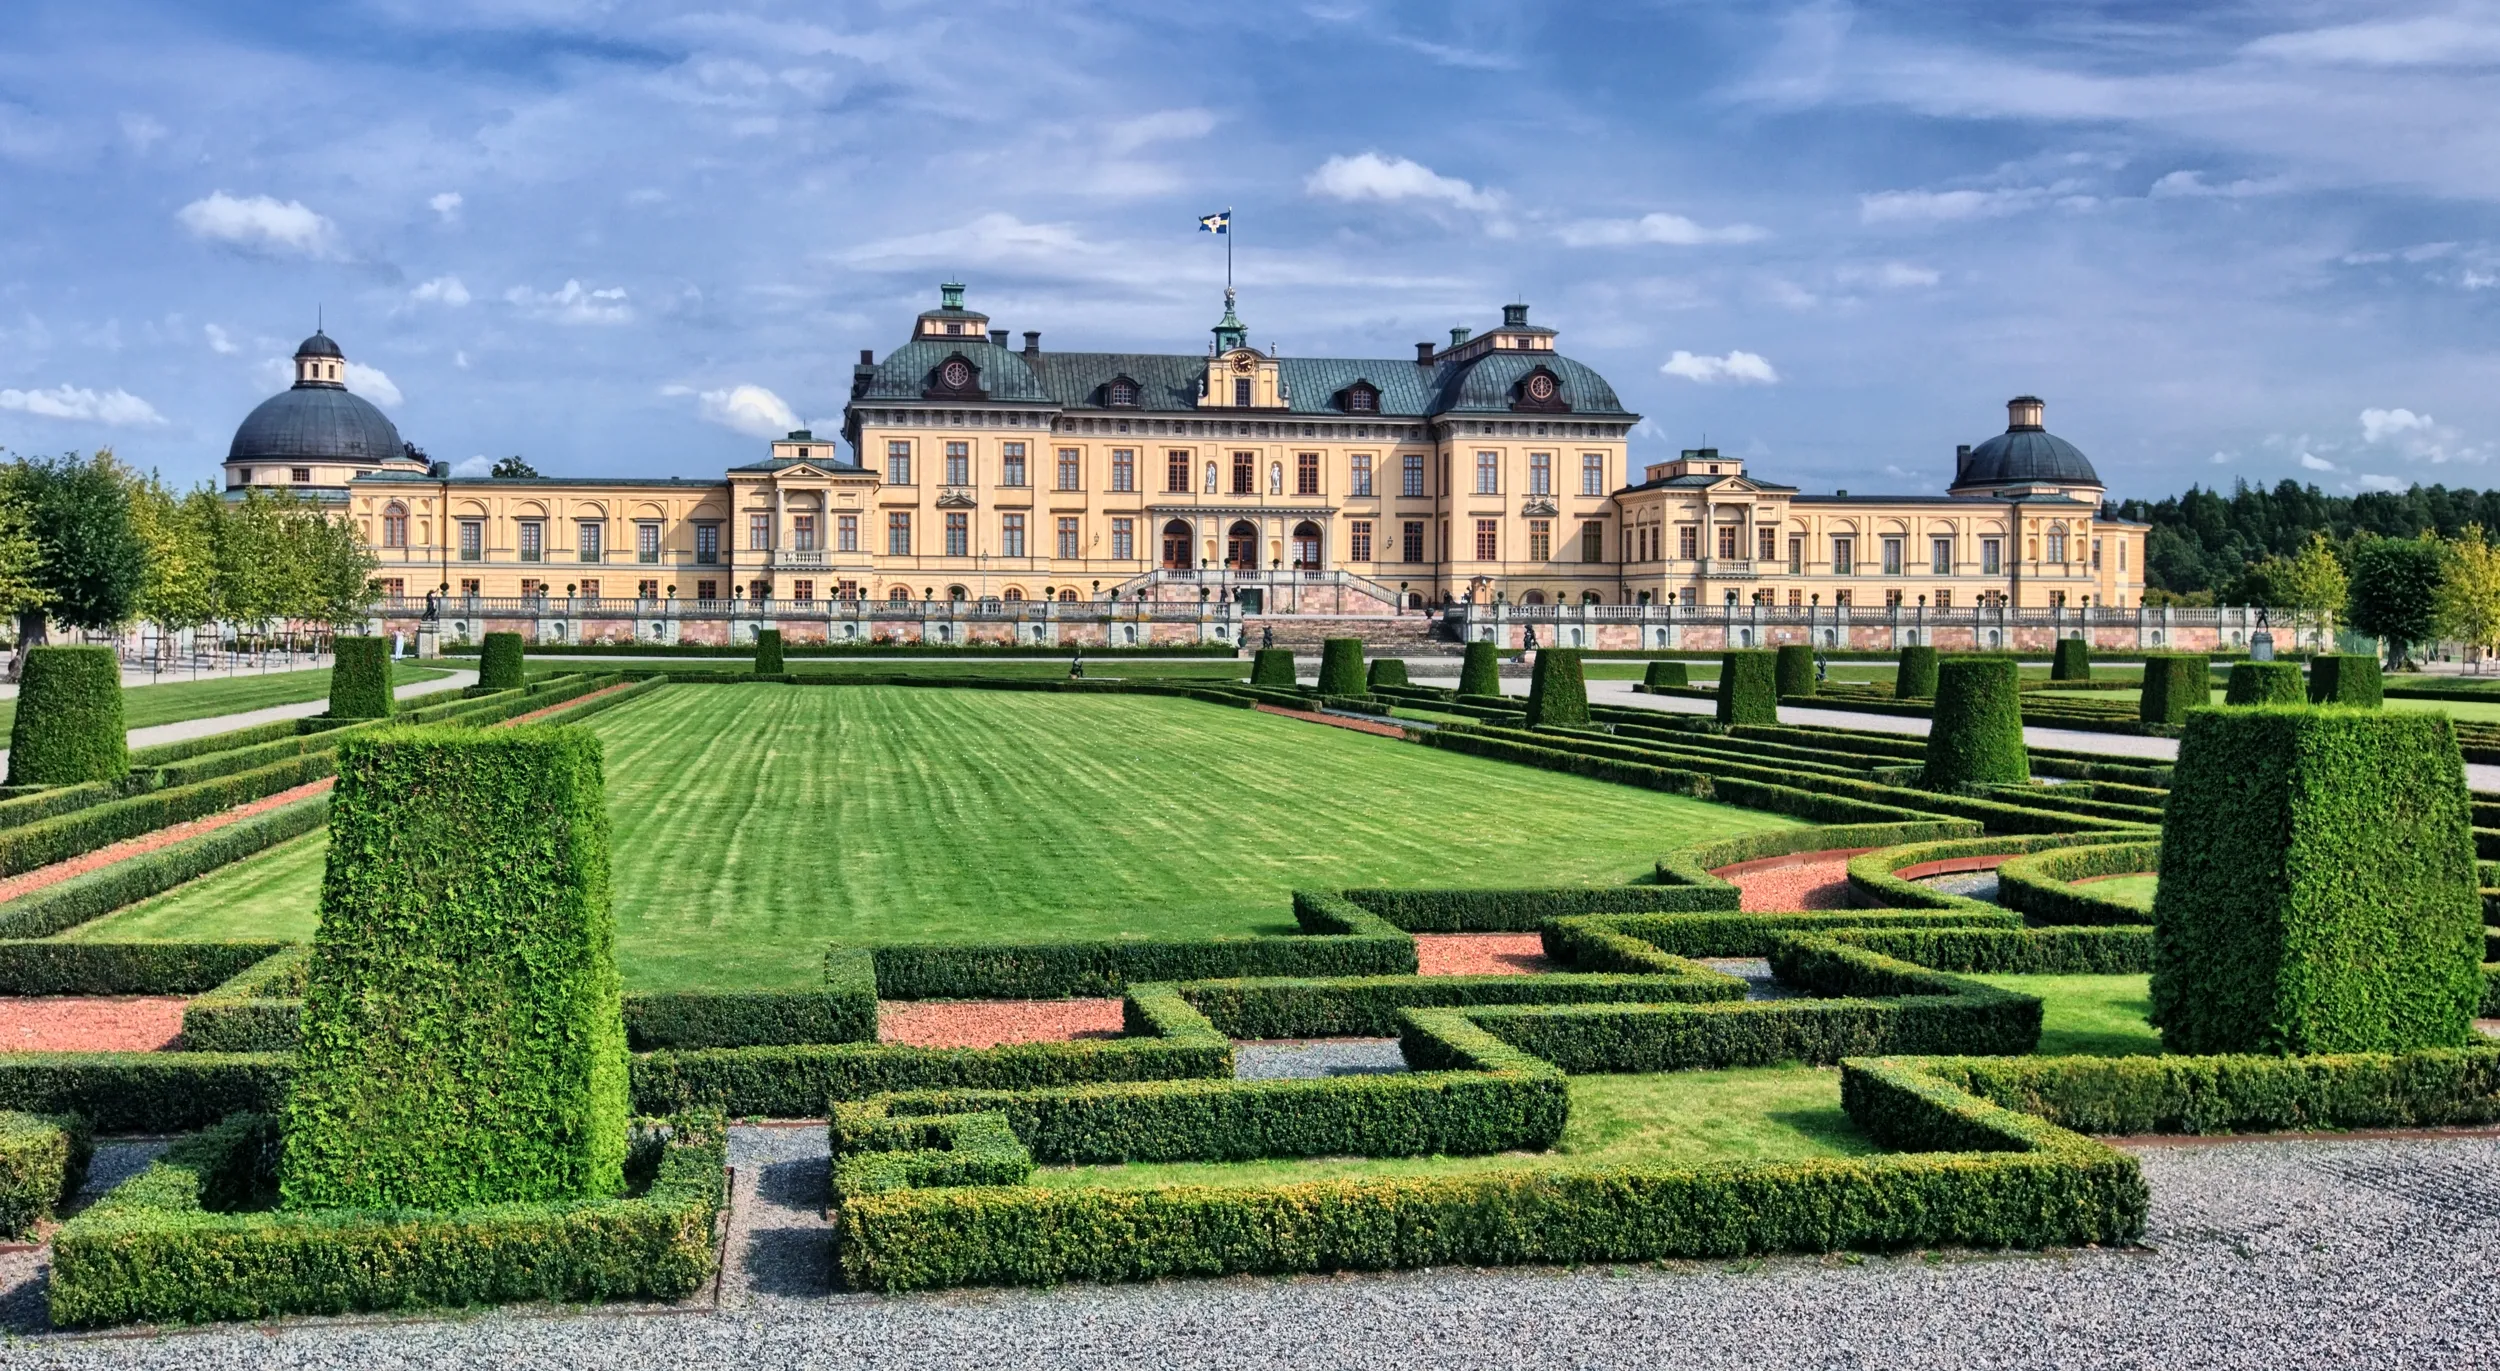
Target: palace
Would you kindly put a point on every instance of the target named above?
(972, 473)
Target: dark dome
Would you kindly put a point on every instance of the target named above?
(319, 345)
(316, 423)
(2025, 453)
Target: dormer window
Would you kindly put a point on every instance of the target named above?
(1540, 391)
(1122, 392)
(954, 328)
(956, 378)
(803, 457)
(1362, 398)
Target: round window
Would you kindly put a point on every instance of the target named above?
(957, 375)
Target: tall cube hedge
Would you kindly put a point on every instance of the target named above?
(69, 718)
(2174, 683)
(1796, 670)
(1480, 671)
(499, 662)
(1272, 666)
(2265, 683)
(462, 1038)
(1976, 736)
(2317, 886)
(768, 652)
(1558, 694)
(1666, 674)
(360, 679)
(1341, 667)
(2346, 678)
(2073, 661)
(1915, 677)
(1386, 671)
(1749, 687)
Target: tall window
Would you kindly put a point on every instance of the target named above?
(958, 535)
(802, 590)
(1124, 539)
(1944, 599)
(1844, 556)
(590, 540)
(2096, 554)
(394, 588)
(1071, 471)
(1592, 473)
(1768, 544)
(1991, 556)
(1245, 473)
(1488, 473)
(1306, 473)
(533, 541)
(1011, 535)
(1688, 542)
(1124, 468)
(707, 545)
(2057, 542)
(1728, 534)
(1361, 482)
(846, 590)
(1011, 464)
(759, 532)
(898, 464)
(1540, 473)
(898, 534)
(1069, 549)
(1540, 540)
(1176, 472)
(803, 533)
(1414, 477)
(395, 526)
(1488, 540)
(1411, 541)
(959, 464)
(1892, 556)
(1359, 540)
(472, 540)
(647, 543)
(846, 535)
(590, 590)
(707, 590)
(1940, 556)
(1592, 540)
(1796, 557)
(1241, 391)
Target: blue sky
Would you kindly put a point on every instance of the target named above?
(627, 237)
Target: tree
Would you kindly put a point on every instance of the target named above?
(2469, 593)
(252, 563)
(514, 469)
(177, 535)
(339, 570)
(21, 557)
(2312, 584)
(90, 564)
(2395, 590)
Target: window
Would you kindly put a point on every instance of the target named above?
(1592, 473)
(759, 591)
(958, 535)
(1011, 535)
(1991, 556)
(1940, 556)
(1688, 597)
(1359, 540)
(759, 532)
(395, 526)
(1488, 540)
(1944, 599)
(846, 534)
(1241, 391)
(802, 533)
(1414, 479)
(242, 476)
(2122, 554)
(898, 464)
(1728, 534)
(589, 540)
(590, 590)
(2057, 599)
(1688, 542)
(1892, 599)
(2057, 542)
(1069, 548)
(468, 587)
(1361, 482)
(1071, 471)
(472, 540)
(2096, 554)
(1176, 472)
(1844, 557)
(1124, 468)
(1245, 473)
(533, 541)
(802, 590)
(1540, 473)
(533, 590)
(707, 544)
(1411, 542)
(1796, 557)
(1067, 597)
(646, 590)
(1124, 539)
(1011, 464)
(846, 590)
(898, 535)
(299, 475)
(959, 464)
(707, 590)
(394, 588)
(1488, 473)
(1592, 540)
(1892, 556)
(1796, 599)
(898, 595)
(1840, 599)
(1123, 392)
(1767, 544)
(1540, 540)
(1362, 400)
(647, 543)
(1306, 473)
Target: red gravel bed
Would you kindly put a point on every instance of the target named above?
(988, 1023)
(1481, 954)
(127, 848)
(1333, 721)
(537, 714)
(1803, 880)
(1955, 865)
(89, 1023)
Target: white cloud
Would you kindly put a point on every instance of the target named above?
(261, 223)
(1162, 126)
(2310, 461)
(2379, 425)
(117, 408)
(442, 290)
(446, 206)
(2478, 280)
(1736, 368)
(143, 131)
(2182, 185)
(473, 467)
(1951, 206)
(1890, 276)
(1672, 229)
(751, 410)
(2372, 481)
(2221, 459)
(1371, 176)
(373, 384)
(574, 303)
(219, 341)
(2432, 40)
(991, 239)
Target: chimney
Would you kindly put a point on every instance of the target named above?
(1961, 459)
(1423, 354)
(2023, 411)
(868, 357)
(1459, 334)
(1032, 342)
(998, 337)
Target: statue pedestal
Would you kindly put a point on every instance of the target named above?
(429, 642)
(2261, 646)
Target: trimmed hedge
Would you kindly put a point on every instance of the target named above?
(76, 834)
(43, 1161)
(2174, 683)
(2119, 950)
(2351, 679)
(1385, 671)
(182, 1242)
(768, 652)
(360, 678)
(1796, 669)
(68, 727)
(63, 906)
(1522, 910)
(1738, 790)
(1749, 687)
(2073, 661)
(1658, 674)
(2040, 885)
(499, 662)
(46, 967)
(1977, 736)
(259, 1010)
(1480, 670)
(144, 1092)
(1658, 944)
(1368, 1006)
(1872, 881)
(1341, 667)
(1915, 677)
(2433, 1088)
(465, 968)
(2264, 683)
(1558, 695)
(2318, 888)
(165, 754)
(1692, 866)
(1272, 666)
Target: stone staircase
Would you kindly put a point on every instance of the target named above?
(1404, 635)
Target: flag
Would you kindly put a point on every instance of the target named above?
(1215, 223)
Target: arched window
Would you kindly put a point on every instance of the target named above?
(1533, 597)
(1591, 597)
(957, 593)
(395, 525)
(1013, 594)
(899, 595)
(1176, 545)
(2057, 542)
(1068, 596)
(1241, 546)
(1306, 546)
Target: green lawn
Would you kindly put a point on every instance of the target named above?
(178, 700)
(2135, 890)
(755, 824)
(2096, 1016)
(1686, 1118)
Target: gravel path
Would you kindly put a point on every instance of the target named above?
(1977, 885)
(1812, 881)
(89, 1023)
(1755, 972)
(1306, 1059)
(2263, 1255)
(987, 1023)
(127, 848)
(1481, 954)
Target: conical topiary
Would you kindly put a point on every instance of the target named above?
(1915, 678)
(1558, 695)
(1387, 671)
(1272, 666)
(1976, 735)
(1341, 667)
(1480, 672)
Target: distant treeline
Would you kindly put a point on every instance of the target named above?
(2204, 542)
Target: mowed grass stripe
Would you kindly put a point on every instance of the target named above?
(755, 824)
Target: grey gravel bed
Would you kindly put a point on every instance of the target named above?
(2263, 1255)
(1755, 972)
(1302, 1060)
(1977, 885)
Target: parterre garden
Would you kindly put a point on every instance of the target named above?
(485, 1053)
